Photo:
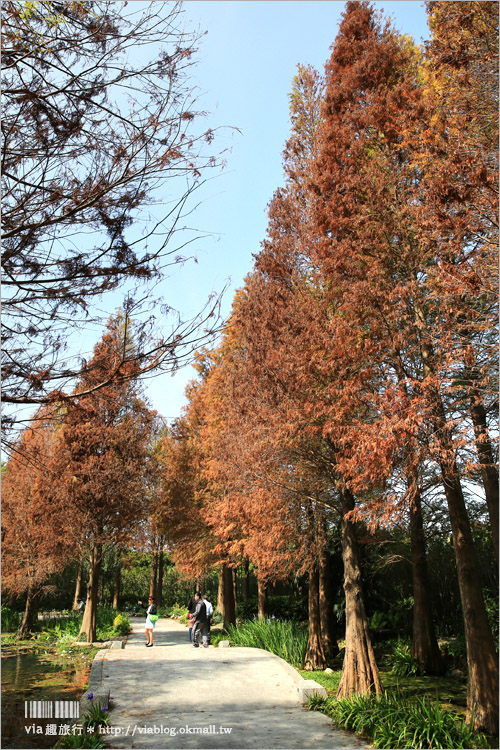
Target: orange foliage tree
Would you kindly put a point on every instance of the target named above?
(35, 539)
(102, 458)
(391, 298)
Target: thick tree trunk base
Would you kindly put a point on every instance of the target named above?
(30, 612)
(359, 672)
(88, 627)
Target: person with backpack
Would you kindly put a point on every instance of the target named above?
(151, 618)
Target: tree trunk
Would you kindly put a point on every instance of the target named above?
(315, 658)
(229, 605)
(424, 647)
(482, 686)
(261, 599)
(246, 580)
(117, 585)
(327, 616)
(30, 613)
(154, 567)
(78, 585)
(89, 622)
(161, 563)
(489, 471)
(235, 586)
(220, 592)
(359, 671)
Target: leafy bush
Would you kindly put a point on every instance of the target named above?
(399, 721)
(121, 625)
(178, 612)
(246, 610)
(455, 651)
(491, 603)
(285, 638)
(282, 607)
(217, 618)
(377, 621)
(10, 619)
(61, 628)
(403, 663)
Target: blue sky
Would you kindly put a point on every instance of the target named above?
(246, 63)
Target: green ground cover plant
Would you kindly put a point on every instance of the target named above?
(403, 662)
(400, 721)
(285, 638)
(329, 680)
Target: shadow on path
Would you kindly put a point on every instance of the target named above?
(176, 696)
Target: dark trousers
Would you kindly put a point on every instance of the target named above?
(200, 630)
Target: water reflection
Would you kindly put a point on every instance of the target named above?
(31, 676)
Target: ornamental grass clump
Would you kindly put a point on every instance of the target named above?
(11, 619)
(398, 721)
(285, 638)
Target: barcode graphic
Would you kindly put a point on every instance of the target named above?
(51, 709)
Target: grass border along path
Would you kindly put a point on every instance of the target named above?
(417, 711)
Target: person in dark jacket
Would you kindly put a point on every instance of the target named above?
(199, 622)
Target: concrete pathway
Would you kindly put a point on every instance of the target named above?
(177, 696)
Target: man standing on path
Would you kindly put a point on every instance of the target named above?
(200, 622)
(210, 610)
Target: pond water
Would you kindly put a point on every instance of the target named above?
(42, 677)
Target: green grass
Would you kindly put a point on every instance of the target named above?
(285, 638)
(450, 691)
(329, 681)
(398, 720)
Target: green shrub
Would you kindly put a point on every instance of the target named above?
(491, 603)
(217, 618)
(11, 619)
(246, 610)
(285, 638)
(121, 625)
(178, 612)
(403, 663)
(378, 621)
(456, 652)
(398, 721)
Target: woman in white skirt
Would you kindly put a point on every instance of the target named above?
(150, 625)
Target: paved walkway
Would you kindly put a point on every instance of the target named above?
(177, 696)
